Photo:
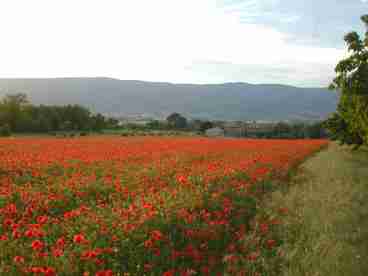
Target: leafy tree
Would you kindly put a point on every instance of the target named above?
(349, 124)
(66, 126)
(281, 130)
(77, 115)
(339, 130)
(175, 120)
(112, 123)
(98, 122)
(205, 125)
(315, 131)
(20, 116)
(11, 110)
(5, 131)
(153, 124)
(298, 130)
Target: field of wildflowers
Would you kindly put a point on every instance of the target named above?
(142, 205)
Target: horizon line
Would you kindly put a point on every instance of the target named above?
(163, 82)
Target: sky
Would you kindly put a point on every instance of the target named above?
(295, 42)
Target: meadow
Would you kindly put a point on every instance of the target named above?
(326, 229)
(143, 205)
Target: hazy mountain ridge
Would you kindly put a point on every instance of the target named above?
(228, 101)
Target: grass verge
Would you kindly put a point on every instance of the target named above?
(326, 230)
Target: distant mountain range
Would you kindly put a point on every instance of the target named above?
(228, 101)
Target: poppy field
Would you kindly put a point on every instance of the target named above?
(142, 206)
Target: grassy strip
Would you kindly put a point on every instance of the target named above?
(326, 231)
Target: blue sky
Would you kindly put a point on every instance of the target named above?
(296, 42)
(313, 22)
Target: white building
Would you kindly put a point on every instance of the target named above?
(215, 132)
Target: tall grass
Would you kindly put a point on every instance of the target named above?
(326, 230)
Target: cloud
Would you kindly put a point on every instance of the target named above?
(163, 40)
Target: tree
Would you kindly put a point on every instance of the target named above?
(155, 124)
(20, 116)
(5, 130)
(175, 120)
(98, 122)
(315, 130)
(349, 124)
(338, 130)
(205, 125)
(78, 116)
(11, 110)
(281, 130)
(298, 130)
(112, 123)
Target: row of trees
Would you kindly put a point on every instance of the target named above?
(18, 115)
(284, 130)
(349, 124)
(177, 121)
(280, 130)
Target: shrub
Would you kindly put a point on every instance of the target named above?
(5, 131)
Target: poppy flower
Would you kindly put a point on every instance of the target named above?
(37, 245)
(79, 238)
(18, 259)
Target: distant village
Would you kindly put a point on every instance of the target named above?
(240, 128)
(217, 128)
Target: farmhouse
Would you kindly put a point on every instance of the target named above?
(255, 127)
(215, 132)
(244, 129)
(235, 129)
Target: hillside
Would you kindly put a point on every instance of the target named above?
(229, 101)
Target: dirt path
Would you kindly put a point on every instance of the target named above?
(326, 231)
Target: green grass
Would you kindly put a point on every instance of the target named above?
(326, 229)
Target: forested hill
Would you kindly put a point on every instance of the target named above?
(229, 101)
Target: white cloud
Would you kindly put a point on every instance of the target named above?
(149, 40)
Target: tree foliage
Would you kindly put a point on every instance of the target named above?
(349, 124)
(205, 125)
(300, 130)
(176, 121)
(12, 109)
(18, 115)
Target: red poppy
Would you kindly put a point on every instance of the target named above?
(79, 238)
(49, 271)
(18, 259)
(270, 243)
(37, 245)
(108, 272)
(169, 273)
